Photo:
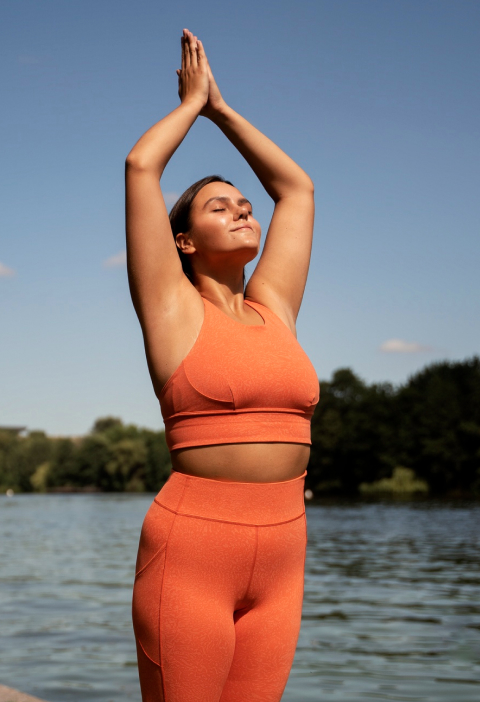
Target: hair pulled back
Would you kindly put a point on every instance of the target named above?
(180, 219)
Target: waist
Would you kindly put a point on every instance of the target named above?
(254, 504)
(243, 462)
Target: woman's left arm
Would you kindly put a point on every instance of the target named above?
(279, 278)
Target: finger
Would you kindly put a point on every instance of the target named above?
(193, 50)
(202, 58)
(193, 39)
(182, 44)
(186, 53)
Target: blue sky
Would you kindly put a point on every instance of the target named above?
(378, 101)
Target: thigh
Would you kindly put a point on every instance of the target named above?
(266, 631)
(183, 602)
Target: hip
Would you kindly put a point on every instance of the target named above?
(202, 521)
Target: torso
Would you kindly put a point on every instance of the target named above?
(251, 463)
(166, 346)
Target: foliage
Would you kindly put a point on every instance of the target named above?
(352, 434)
(20, 457)
(361, 433)
(403, 481)
(113, 457)
(440, 409)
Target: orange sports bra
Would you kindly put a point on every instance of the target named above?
(240, 384)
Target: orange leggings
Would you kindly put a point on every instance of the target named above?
(218, 590)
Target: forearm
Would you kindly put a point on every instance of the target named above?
(156, 147)
(278, 173)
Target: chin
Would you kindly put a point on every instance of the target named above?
(253, 251)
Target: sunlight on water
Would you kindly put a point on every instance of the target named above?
(391, 612)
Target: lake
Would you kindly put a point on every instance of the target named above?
(391, 609)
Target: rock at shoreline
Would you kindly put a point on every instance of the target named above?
(8, 694)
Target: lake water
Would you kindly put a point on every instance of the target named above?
(391, 611)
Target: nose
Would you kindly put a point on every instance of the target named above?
(242, 212)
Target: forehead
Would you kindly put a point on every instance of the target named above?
(216, 189)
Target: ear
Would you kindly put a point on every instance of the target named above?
(184, 243)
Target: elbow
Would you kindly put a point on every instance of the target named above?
(307, 184)
(134, 162)
(303, 185)
(137, 162)
(302, 188)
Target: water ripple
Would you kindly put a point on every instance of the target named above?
(391, 610)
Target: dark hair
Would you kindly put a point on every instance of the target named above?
(180, 220)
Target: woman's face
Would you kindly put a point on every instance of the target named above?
(222, 223)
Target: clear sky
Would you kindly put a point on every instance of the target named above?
(378, 101)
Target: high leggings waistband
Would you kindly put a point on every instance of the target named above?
(251, 504)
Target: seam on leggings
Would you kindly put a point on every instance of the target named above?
(150, 659)
(155, 555)
(254, 562)
(161, 593)
(227, 521)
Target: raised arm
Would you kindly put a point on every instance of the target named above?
(154, 269)
(281, 273)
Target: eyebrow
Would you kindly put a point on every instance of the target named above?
(240, 201)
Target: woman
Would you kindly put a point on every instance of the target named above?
(219, 576)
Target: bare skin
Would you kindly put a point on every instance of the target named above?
(224, 236)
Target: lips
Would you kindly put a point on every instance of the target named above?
(244, 227)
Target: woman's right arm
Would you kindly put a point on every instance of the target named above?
(154, 269)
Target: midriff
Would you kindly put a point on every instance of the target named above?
(252, 463)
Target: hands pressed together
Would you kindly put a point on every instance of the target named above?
(195, 79)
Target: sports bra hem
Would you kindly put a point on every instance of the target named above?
(238, 440)
(247, 410)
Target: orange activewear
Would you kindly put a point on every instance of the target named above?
(218, 590)
(240, 383)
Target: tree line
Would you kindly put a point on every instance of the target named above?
(113, 457)
(364, 436)
(431, 425)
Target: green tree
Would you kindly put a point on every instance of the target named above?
(104, 424)
(8, 442)
(148, 470)
(24, 456)
(63, 465)
(91, 459)
(158, 464)
(125, 468)
(439, 434)
(351, 434)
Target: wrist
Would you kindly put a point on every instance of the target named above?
(193, 104)
(220, 112)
